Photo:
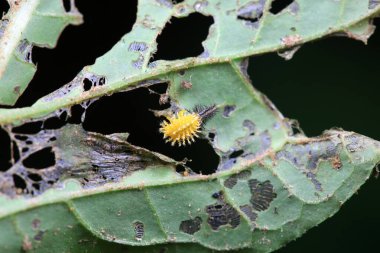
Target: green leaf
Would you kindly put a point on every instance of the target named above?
(277, 188)
(127, 63)
(271, 185)
(27, 24)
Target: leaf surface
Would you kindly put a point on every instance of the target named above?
(271, 185)
(27, 24)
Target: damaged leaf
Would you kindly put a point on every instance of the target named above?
(269, 188)
(27, 24)
(240, 28)
(94, 192)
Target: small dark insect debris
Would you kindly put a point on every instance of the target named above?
(186, 85)
(139, 230)
(217, 195)
(191, 226)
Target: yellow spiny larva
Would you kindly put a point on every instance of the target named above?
(181, 127)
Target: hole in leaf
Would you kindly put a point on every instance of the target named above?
(159, 88)
(211, 136)
(251, 13)
(180, 169)
(75, 50)
(87, 84)
(5, 153)
(40, 159)
(28, 128)
(19, 182)
(55, 122)
(4, 7)
(35, 177)
(67, 5)
(36, 186)
(76, 114)
(21, 137)
(236, 154)
(130, 112)
(278, 5)
(16, 153)
(189, 33)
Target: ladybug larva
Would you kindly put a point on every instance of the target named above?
(185, 125)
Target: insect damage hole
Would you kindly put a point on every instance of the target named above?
(251, 13)
(19, 182)
(74, 49)
(28, 128)
(40, 159)
(182, 37)
(236, 154)
(278, 5)
(67, 5)
(5, 150)
(130, 112)
(4, 7)
(191, 226)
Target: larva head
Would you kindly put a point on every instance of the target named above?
(181, 127)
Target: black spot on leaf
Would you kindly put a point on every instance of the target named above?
(248, 210)
(139, 230)
(28, 128)
(232, 180)
(262, 194)
(220, 214)
(228, 109)
(191, 226)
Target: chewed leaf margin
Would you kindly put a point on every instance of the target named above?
(23, 27)
(273, 32)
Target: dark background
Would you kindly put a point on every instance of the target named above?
(328, 83)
